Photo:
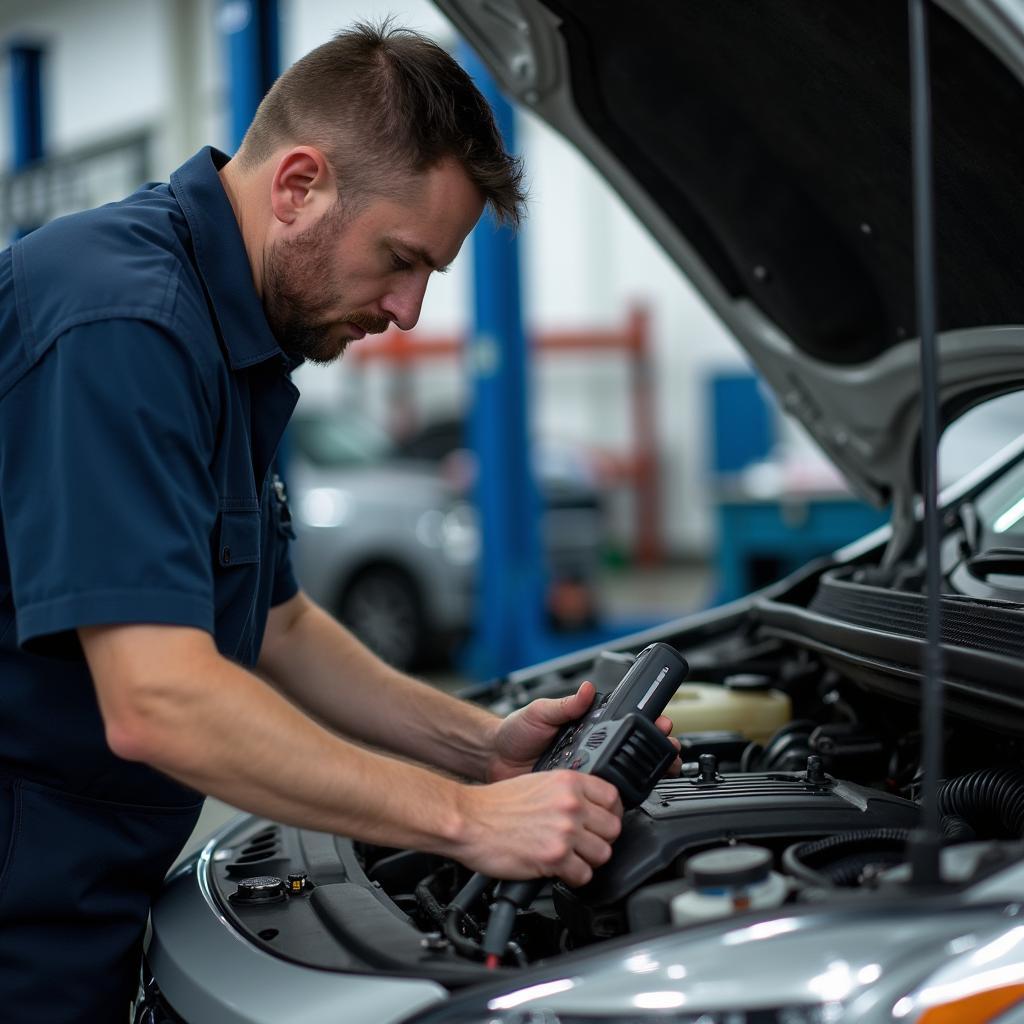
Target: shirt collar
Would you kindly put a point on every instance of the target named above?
(222, 260)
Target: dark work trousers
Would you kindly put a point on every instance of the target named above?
(77, 876)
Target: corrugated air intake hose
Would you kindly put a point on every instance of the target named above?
(991, 801)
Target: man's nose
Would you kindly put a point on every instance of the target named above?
(403, 304)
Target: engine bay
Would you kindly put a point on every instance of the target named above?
(829, 799)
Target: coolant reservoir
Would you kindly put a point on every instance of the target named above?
(744, 703)
(727, 881)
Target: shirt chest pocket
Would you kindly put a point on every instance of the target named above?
(237, 578)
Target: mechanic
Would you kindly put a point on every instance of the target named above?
(154, 645)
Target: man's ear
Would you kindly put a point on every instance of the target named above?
(302, 184)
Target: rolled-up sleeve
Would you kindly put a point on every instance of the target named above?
(108, 498)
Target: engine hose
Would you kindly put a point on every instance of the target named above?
(448, 919)
(991, 801)
(862, 843)
(428, 902)
(792, 737)
(751, 752)
(795, 868)
(848, 871)
(465, 946)
(956, 830)
(857, 850)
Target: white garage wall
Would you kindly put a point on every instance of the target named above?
(115, 65)
(88, 87)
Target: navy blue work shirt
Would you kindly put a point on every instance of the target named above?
(142, 399)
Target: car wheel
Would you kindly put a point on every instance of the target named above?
(382, 607)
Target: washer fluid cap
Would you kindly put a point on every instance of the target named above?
(729, 867)
(748, 681)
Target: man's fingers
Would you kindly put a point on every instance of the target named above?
(550, 711)
(602, 793)
(677, 765)
(576, 871)
(552, 824)
(576, 704)
(664, 723)
(603, 824)
(593, 849)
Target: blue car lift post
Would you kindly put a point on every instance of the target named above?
(251, 30)
(509, 628)
(27, 144)
(252, 37)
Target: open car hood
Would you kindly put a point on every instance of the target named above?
(766, 145)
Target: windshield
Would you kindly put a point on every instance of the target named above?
(998, 511)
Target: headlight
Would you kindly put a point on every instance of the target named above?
(325, 507)
(454, 531)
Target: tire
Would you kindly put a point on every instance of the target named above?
(382, 607)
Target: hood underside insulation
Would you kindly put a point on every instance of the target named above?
(776, 135)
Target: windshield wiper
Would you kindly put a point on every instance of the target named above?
(965, 516)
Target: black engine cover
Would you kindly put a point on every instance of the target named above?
(682, 816)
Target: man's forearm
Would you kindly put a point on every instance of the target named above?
(328, 672)
(168, 698)
(232, 736)
(229, 734)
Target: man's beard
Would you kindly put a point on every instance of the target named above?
(297, 312)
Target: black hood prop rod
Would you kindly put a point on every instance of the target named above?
(924, 844)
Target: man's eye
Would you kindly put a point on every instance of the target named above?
(397, 263)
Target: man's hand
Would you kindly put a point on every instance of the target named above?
(525, 734)
(557, 824)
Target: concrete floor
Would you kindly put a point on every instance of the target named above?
(626, 594)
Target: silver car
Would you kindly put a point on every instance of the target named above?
(388, 545)
(766, 145)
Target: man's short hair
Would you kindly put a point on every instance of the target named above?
(385, 103)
